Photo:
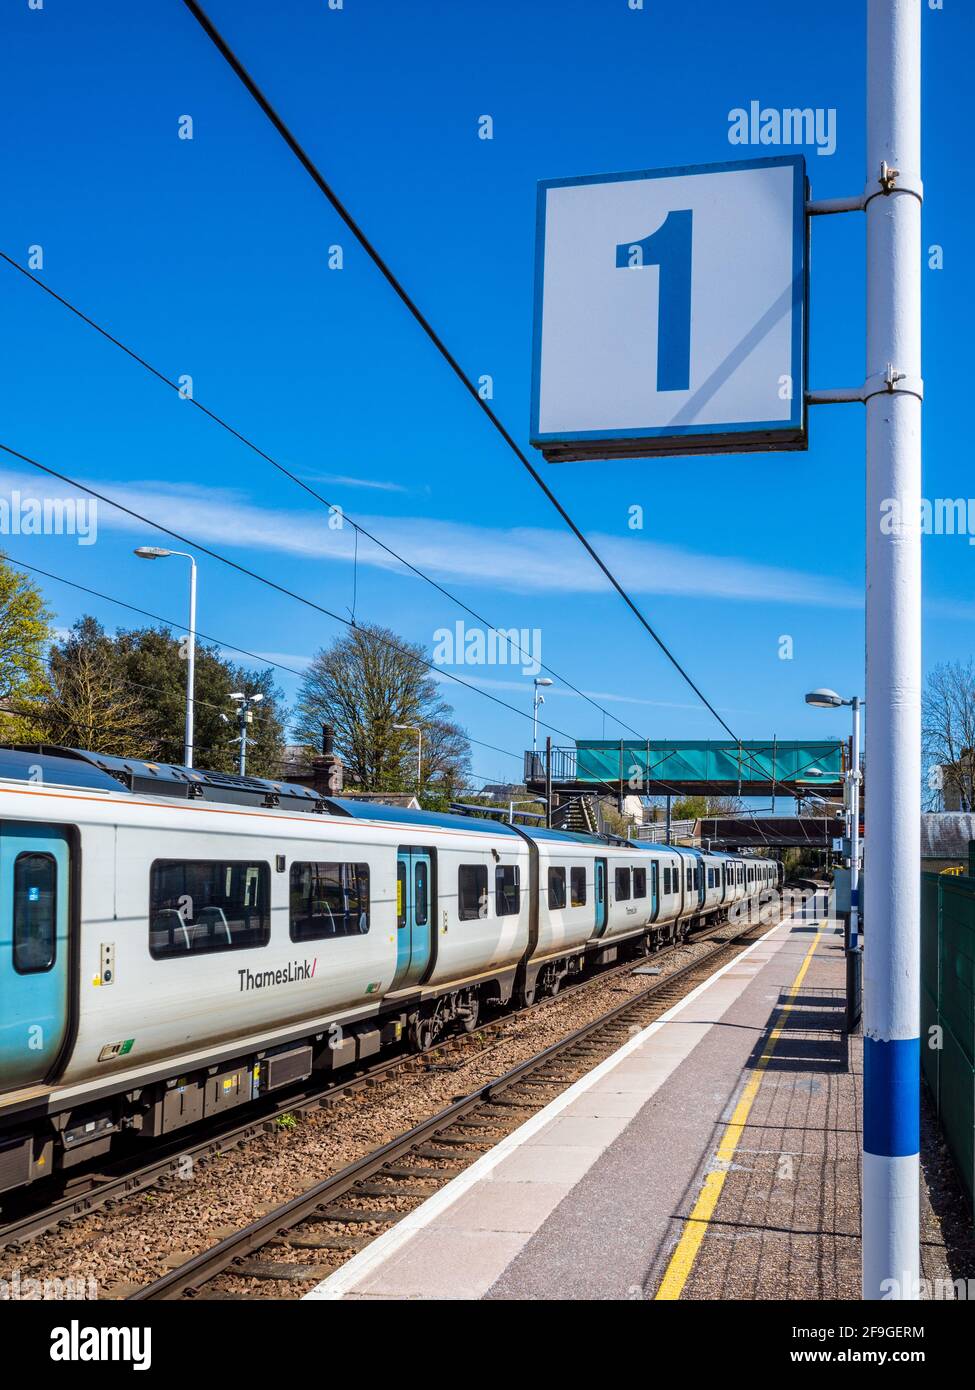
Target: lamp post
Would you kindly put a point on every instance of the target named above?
(539, 699)
(156, 552)
(828, 699)
(412, 729)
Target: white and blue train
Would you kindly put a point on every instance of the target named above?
(175, 943)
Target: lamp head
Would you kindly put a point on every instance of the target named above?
(543, 680)
(825, 699)
(152, 552)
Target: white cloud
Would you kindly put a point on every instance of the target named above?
(520, 560)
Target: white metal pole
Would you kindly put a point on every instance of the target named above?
(242, 725)
(893, 639)
(419, 760)
(855, 829)
(190, 672)
(535, 724)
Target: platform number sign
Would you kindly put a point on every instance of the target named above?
(670, 312)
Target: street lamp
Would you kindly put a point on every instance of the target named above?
(828, 699)
(245, 716)
(156, 552)
(412, 729)
(539, 699)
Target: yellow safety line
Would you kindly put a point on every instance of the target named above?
(682, 1261)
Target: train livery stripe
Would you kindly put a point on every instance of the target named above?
(682, 1261)
(891, 1097)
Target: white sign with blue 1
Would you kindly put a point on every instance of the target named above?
(670, 311)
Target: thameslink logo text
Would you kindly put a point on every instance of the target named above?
(261, 979)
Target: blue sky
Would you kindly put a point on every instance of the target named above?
(210, 257)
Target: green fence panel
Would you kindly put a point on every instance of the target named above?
(948, 1004)
(930, 983)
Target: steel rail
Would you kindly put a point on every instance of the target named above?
(190, 1276)
(120, 1179)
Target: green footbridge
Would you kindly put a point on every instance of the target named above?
(706, 767)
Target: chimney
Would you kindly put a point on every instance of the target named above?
(327, 770)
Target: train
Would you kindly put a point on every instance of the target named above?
(176, 943)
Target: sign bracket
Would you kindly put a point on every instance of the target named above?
(889, 180)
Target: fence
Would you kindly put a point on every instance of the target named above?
(948, 1012)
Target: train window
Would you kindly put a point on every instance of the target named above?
(472, 893)
(697, 877)
(201, 905)
(622, 884)
(639, 883)
(421, 892)
(35, 913)
(690, 878)
(556, 888)
(577, 887)
(333, 900)
(507, 890)
(666, 888)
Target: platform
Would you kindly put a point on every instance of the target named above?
(714, 1156)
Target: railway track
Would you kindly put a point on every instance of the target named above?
(114, 1182)
(305, 1239)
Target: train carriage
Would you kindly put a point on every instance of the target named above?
(174, 943)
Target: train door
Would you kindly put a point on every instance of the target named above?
(600, 896)
(654, 888)
(414, 915)
(34, 975)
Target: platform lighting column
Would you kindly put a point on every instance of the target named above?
(893, 640)
(538, 699)
(156, 552)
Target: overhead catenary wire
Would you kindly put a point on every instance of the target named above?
(263, 579)
(207, 637)
(303, 484)
(203, 636)
(339, 207)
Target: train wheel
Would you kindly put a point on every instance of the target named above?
(421, 1033)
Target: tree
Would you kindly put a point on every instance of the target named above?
(154, 661)
(701, 807)
(91, 703)
(363, 685)
(127, 695)
(948, 733)
(25, 631)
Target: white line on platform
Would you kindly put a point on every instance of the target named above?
(363, 1263)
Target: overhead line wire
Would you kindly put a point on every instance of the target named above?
(325, 188)
(299, 481)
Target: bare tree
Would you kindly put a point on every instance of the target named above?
(363, 685)
(948, 733)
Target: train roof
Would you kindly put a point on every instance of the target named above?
(76, 767)
(106, 772)
(31, 765)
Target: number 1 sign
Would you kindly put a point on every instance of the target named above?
(670, 312)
